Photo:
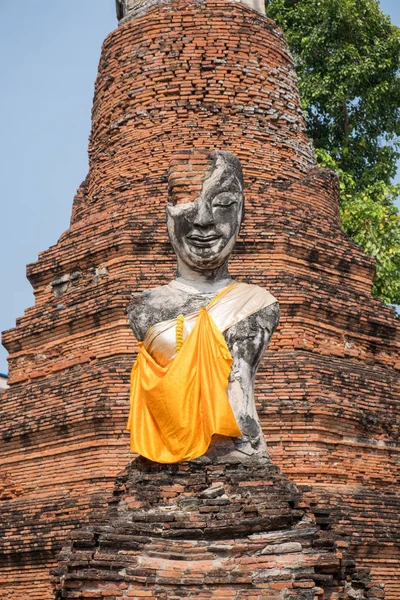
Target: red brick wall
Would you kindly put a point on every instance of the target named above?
(184, 75)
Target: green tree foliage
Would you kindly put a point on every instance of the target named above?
(347, 55)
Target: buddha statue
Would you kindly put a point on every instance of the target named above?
(202, 335)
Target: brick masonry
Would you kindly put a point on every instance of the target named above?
(194, 74)
(208, 530)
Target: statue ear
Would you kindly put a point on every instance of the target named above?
(168, 215)
(243, 213)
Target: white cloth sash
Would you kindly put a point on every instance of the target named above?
(238, 303)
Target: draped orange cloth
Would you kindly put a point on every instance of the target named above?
(180, 379)
(175, 410)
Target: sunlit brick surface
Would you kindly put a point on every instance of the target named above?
(209, 75)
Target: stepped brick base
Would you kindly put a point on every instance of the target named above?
(206, 529)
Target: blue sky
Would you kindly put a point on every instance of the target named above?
(50, 52)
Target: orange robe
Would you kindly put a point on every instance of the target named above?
(178, 407)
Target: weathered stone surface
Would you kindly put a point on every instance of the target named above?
(215, 491)
(282, 548)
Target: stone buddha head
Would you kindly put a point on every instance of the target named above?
(205, 207)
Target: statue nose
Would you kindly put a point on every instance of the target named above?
(204, 216)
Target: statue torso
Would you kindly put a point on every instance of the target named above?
(246, 341)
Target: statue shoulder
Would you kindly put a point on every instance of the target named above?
(265, 294)
(255, 292)
(147, 308)
(268, 316)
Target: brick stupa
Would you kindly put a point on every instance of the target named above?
(206, 74)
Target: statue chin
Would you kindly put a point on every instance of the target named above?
(202, 256)
(198, 263)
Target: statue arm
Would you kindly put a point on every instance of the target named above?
(138, 316)
(268, 319)
(247, 342)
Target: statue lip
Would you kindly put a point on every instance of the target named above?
(197, 239)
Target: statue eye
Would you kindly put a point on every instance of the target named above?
(225, 200)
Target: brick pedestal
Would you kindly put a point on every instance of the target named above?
(207, 530)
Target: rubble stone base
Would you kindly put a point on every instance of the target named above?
(208, 529)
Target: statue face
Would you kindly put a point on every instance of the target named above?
(203, 232)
